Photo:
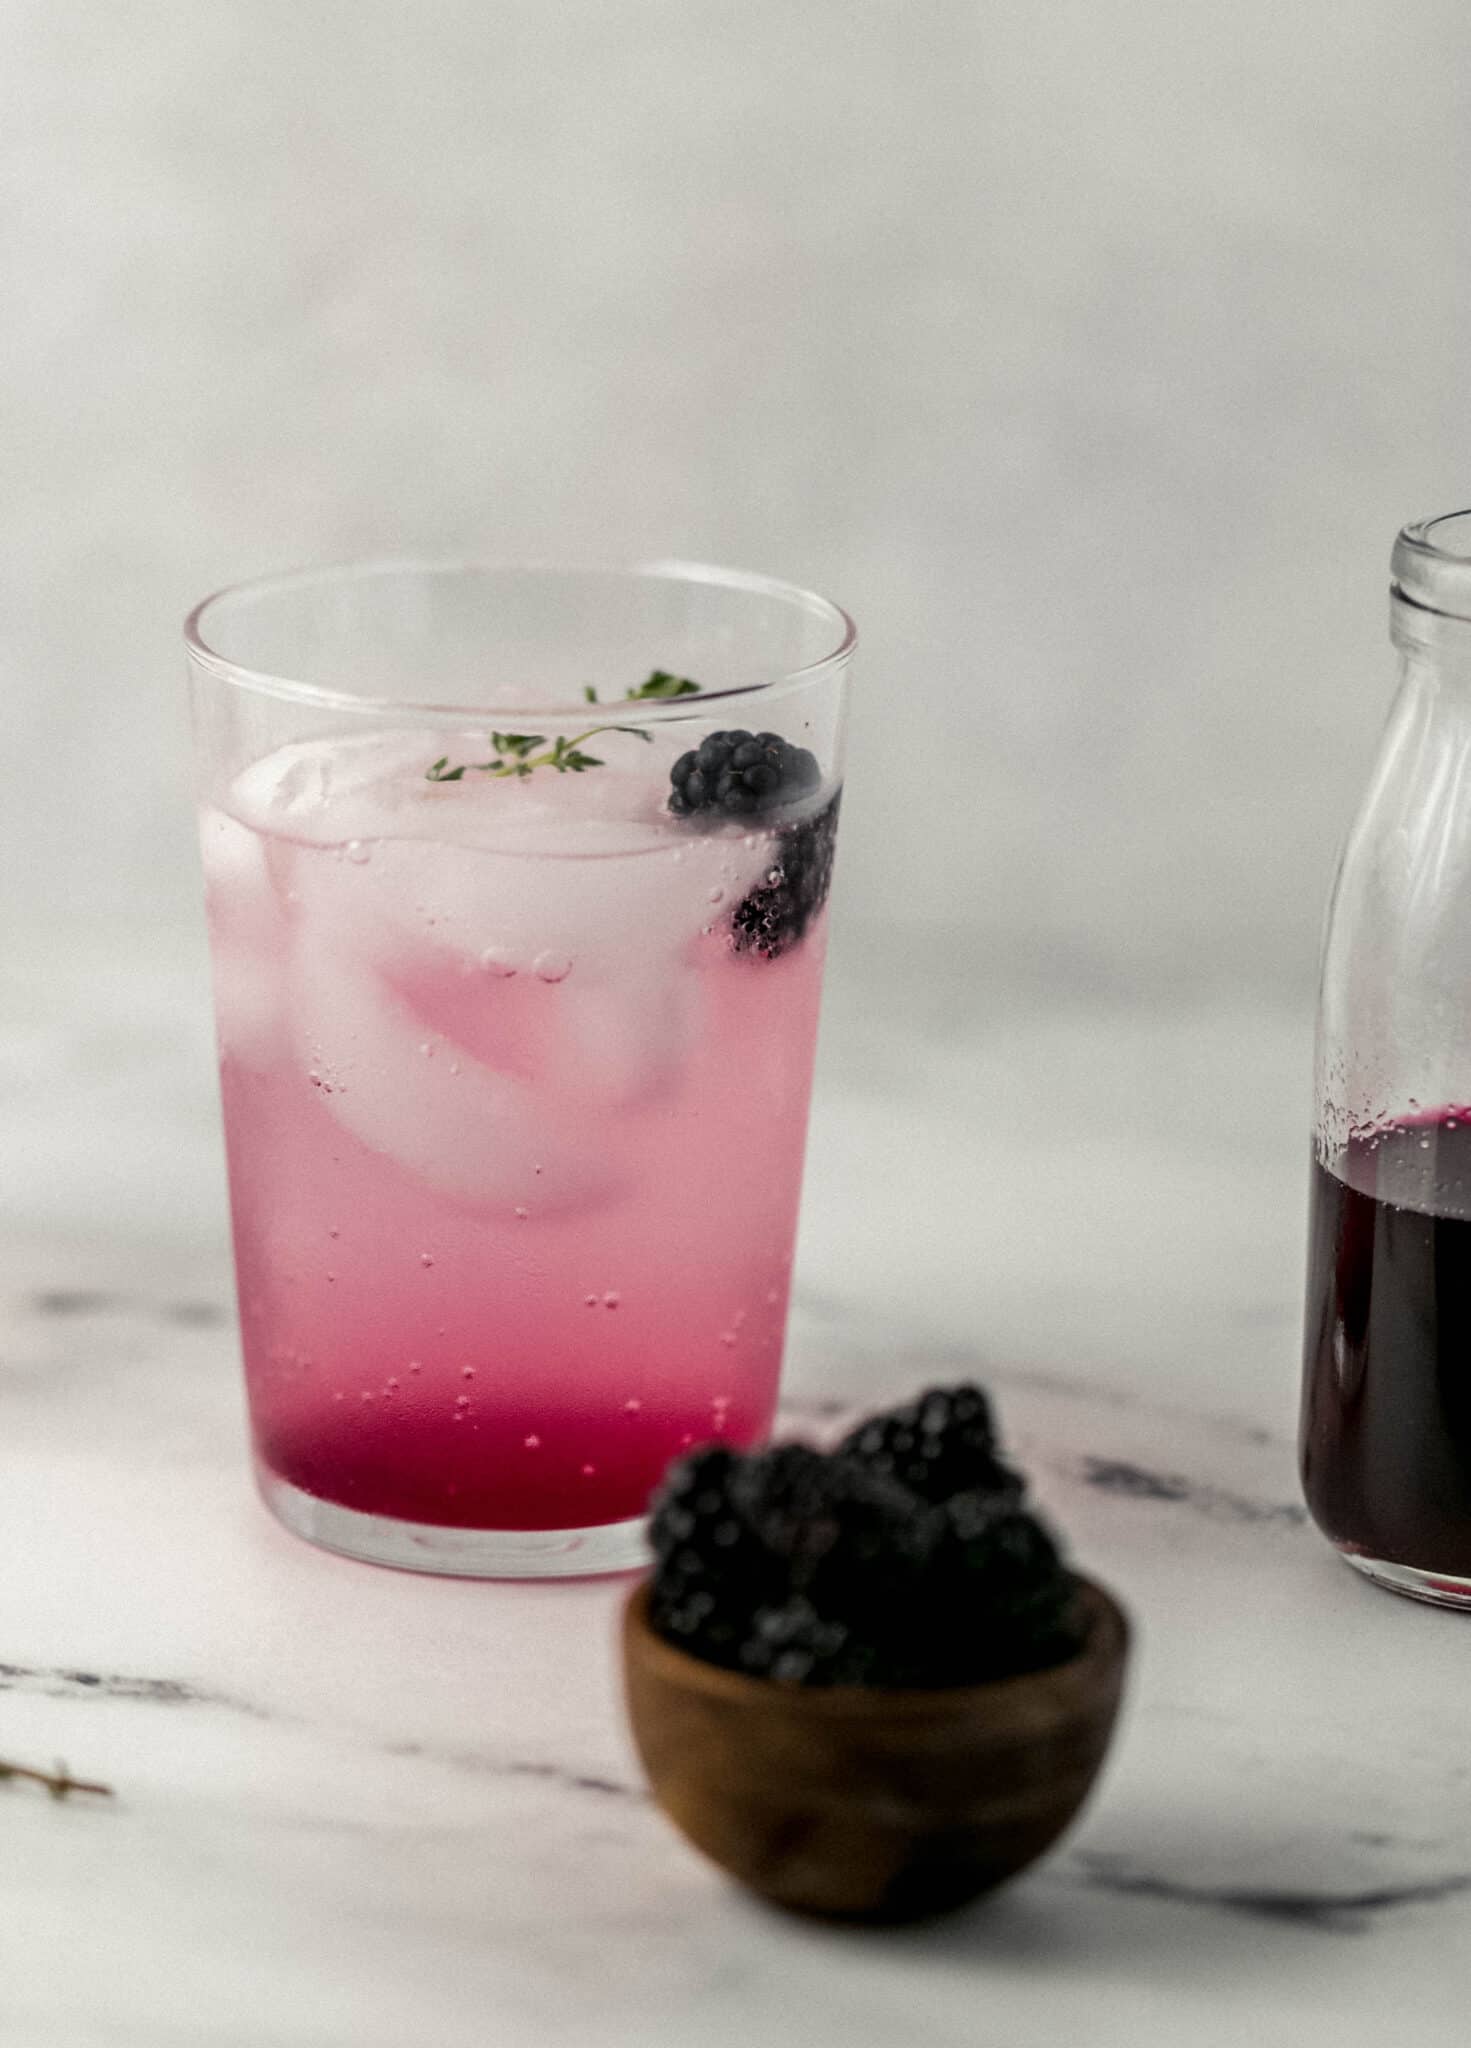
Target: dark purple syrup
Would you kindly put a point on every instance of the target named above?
(1386, 1416)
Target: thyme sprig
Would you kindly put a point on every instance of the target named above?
(515, 753)
(59, 1783)
(659, 684)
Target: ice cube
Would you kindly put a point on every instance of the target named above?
(621, 1038)
(237, 881)
(330, 791)
(587, 866)
(454, 1123)
(376, 909)
(249, 1011)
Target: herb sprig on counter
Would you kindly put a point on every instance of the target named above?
(515, 753)
(59, 1783)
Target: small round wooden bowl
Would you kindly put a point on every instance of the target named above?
(866, 1804)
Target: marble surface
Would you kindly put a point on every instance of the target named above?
(360, 1808)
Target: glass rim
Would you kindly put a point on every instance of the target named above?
(668, 569)
(1427, 573)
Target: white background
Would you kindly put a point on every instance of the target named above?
(1089, 353)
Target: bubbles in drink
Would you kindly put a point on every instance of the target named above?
(583, 1106)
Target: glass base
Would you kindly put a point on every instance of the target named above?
(456, 1553)
(1441, 1589)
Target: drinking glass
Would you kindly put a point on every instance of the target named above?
(516, 882)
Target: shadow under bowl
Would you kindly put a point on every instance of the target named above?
(861, 1803)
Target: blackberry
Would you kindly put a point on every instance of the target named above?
(867, 1552)
(775, 916)
(799, 1642)
(740, 775)
(941, 1444)
(857, 1549)
(734, 1536)
(999, 1565)
(711, 1573)
(782, 1496)
(849, 1538)
(794, 1642)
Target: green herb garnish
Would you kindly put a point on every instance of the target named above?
(515, 752)
(660, 684)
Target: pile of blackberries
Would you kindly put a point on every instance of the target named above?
(905, 1557)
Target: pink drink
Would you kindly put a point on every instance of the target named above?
(515, 1126)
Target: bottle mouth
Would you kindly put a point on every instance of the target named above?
(1430, 569)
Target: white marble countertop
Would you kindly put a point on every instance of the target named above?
(360, 1808)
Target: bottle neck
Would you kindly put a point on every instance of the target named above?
(1435, 646)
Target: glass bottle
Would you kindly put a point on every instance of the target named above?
(1386, 1414)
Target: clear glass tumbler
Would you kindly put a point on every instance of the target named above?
(516, 882)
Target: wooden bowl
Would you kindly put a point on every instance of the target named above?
(868, 1804)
